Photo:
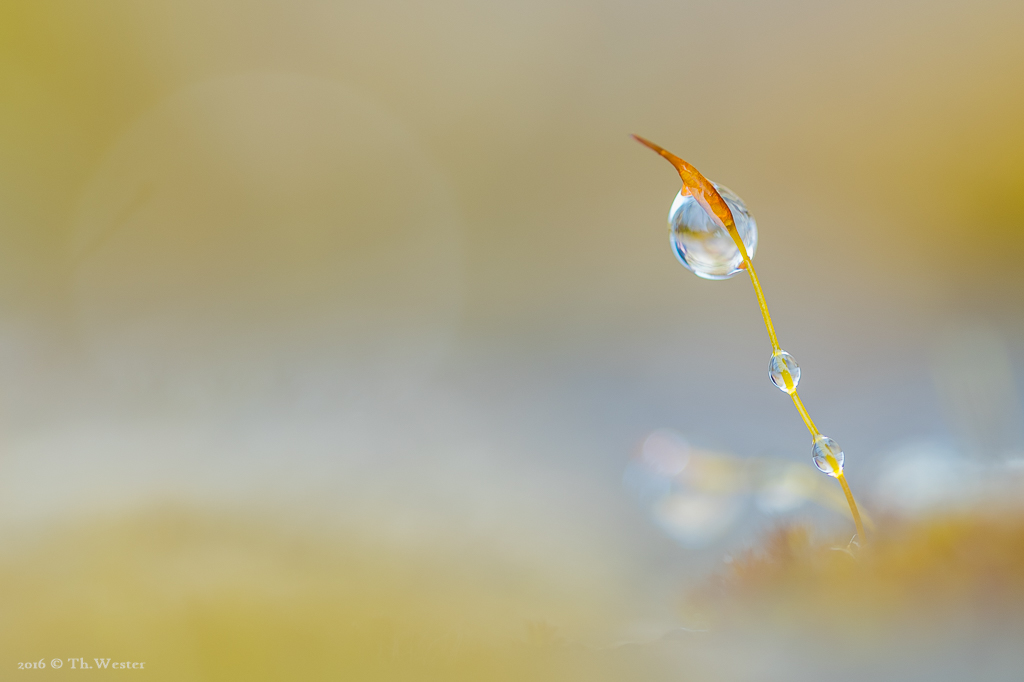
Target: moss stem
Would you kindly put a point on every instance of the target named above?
(853, 508)
(704, 192)
(761, 302)
(808, 422)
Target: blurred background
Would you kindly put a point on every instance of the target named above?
(364, 313)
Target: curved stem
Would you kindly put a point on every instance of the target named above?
(808, 422)
(705, 194)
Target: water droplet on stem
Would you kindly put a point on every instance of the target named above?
(828, 456)
(701, 244)
(784, 371)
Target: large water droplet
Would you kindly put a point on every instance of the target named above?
(828, 456)
(784, 371)
(704, 247)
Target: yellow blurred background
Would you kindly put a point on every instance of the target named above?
(328, 329)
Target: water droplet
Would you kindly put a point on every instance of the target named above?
(784, 371)
(828, 456)
(701, 244)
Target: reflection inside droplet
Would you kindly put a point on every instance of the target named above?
(828, 456)
(784, 371)
(701, 244)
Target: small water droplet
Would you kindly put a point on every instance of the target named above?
(784, 371)
(828, 456)
(702, 245)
